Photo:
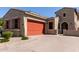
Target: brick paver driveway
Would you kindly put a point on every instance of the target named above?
(42, 43)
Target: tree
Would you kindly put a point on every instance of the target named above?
(1, 22)
(1, 26)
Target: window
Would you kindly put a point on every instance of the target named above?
(16, 23)
(50, 25)
(64, 14)
(7, 24)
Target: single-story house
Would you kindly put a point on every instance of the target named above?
(24, 22)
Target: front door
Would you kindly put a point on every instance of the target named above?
(64, 26)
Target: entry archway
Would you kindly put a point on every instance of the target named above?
(64, 26)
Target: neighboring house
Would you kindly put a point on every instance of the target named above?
(28, 23)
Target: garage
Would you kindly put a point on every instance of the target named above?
(35, 27)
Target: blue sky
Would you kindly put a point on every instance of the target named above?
(45, 11)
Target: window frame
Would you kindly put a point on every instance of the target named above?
(64, 14)
(7, 24)
(50, 25)
(16, 23)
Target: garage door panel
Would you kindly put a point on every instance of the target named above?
(35, 28)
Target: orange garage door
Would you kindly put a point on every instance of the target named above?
(35, 28)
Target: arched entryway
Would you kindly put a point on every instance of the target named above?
(64, 26)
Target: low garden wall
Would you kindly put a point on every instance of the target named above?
(52, 32)
(16, 32)
(71, 33)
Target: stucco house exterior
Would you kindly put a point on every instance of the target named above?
(27, 23)
(24, 23)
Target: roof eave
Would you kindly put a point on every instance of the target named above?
(35, 15)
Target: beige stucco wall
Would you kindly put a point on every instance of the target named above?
(76, 21)
(56, 20)
(25, 25)
(77, 25)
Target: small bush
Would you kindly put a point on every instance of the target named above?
(4, 40)
(24, 38)
(7, 35)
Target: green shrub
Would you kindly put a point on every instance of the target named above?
(4, 40)
(24, 38)
(7, 35)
